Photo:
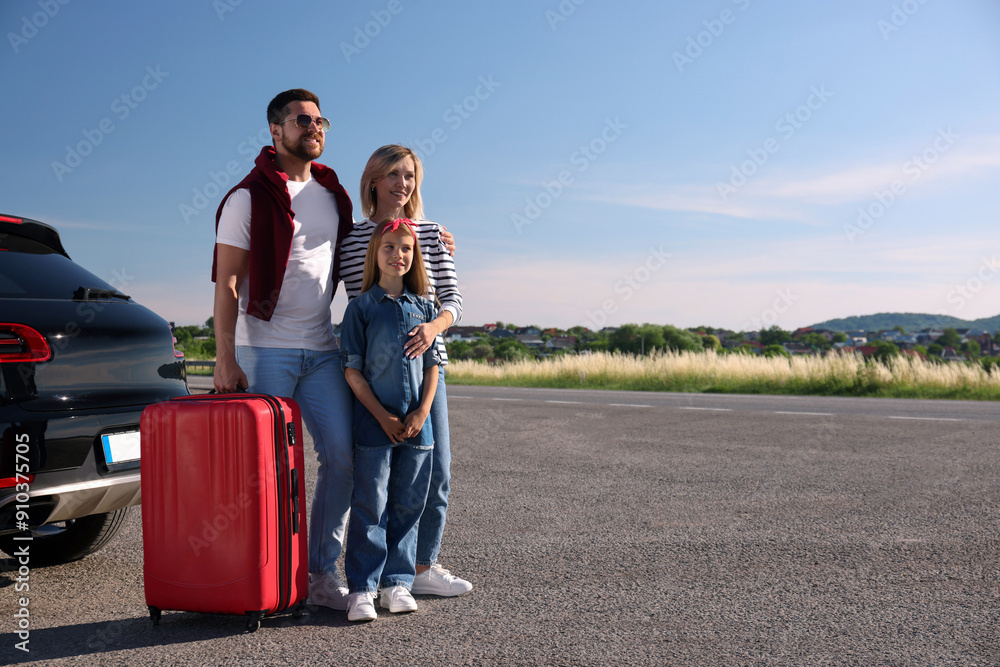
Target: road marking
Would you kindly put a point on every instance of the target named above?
(567, 402)
(713, 409)
(929, 419)
(628, 405)
(818, 414)
(508, 399)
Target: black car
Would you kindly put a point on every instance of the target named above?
(79, 360)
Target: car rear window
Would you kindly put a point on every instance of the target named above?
(43, 275)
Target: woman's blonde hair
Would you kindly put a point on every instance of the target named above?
(415, 279)
(381, 162)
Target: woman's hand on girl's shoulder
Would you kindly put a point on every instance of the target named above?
(448, 240)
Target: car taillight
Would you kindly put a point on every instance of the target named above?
(7, 218)
(10, 482)
(173, 341)
(20, 343)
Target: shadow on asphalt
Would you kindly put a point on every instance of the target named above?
(176, 627)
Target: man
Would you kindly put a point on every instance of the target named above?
(277, 235)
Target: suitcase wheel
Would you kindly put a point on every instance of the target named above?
(253, 620)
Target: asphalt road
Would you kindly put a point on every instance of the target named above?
(605, 528)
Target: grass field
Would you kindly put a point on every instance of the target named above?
(832, 375)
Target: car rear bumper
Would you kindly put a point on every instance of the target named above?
(67, 494)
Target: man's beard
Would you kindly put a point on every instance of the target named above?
(300, 151)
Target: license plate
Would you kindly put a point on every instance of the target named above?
(121, 447)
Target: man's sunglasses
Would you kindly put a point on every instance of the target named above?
(304, 121)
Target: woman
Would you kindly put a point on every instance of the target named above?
(390, 189)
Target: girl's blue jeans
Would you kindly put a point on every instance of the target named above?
(390, 487)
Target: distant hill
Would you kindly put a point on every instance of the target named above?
(909, 321)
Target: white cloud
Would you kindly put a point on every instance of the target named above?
(944, 160)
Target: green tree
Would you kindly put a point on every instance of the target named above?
(511, 350)
(774, 335)
(935, 350)
(481, 350)
(775, 351)
(884, 351)
(183, 336)
(711, 342)
(815, 340)
(458, 349)
(949, 338)
(971, 349)
(636, 339)
(840, 337)
(681, 340)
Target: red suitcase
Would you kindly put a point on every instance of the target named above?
(223, 506)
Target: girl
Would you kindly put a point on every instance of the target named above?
(392, 438)
(390, 188)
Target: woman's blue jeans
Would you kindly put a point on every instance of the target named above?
(435, 511)
(314, 380)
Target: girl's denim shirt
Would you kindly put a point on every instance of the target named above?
(372, 336)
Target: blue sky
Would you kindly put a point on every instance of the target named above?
(733, 163)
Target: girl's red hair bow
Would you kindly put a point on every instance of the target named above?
(397, 223)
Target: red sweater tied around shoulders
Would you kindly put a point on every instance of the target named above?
(271, 228)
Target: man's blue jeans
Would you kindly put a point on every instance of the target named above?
(314, 380)
(389, 493)
(435, 511)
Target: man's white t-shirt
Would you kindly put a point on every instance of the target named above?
(301, 318)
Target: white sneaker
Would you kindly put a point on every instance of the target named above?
(397, 600)
(361, 607)
(327, 590)
(438, 581)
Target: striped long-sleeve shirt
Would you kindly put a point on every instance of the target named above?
(443, 281)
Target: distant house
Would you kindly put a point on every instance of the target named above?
(858, 336)
(502, 333)
(981, 336)
(534, 342)
(798, 348)
(950, 354)
(561, 343)
(467, 334)
(528, 331)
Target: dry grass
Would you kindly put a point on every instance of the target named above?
(833, 375)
